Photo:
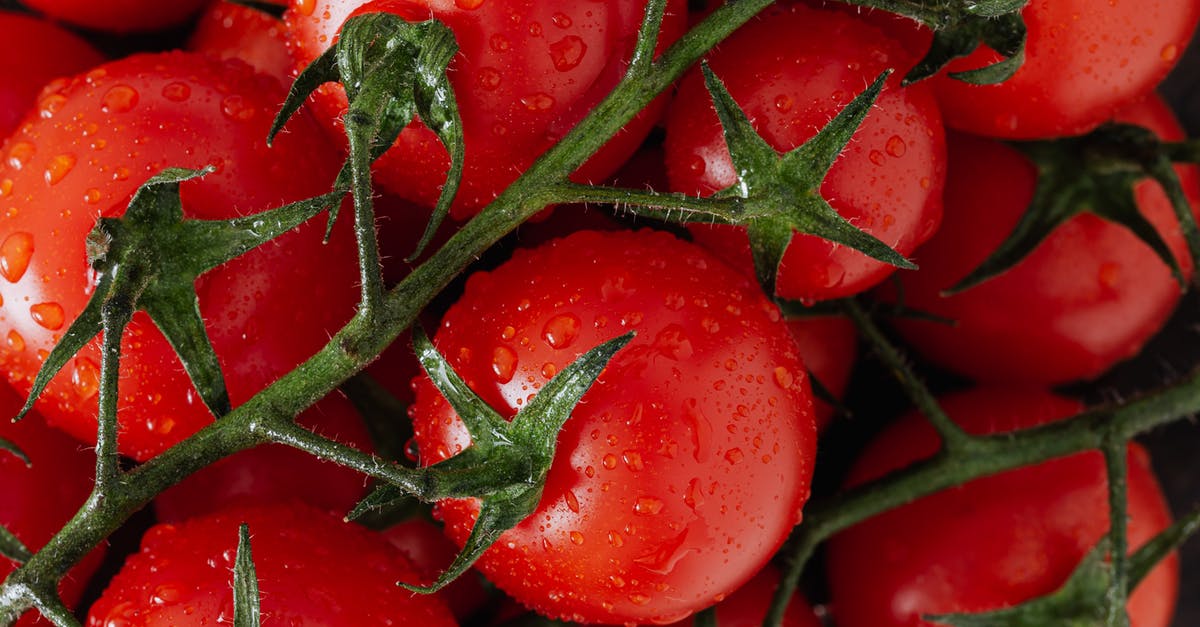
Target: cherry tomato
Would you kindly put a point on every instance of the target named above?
(38, 499)
(1089, 296)
(430, 551)
(829, 346)
(526, 73)
(119, 16)
(683, 468)
(312, 569)
(104, 134)
(747, 607)
(233, 31)
(887, 182)
(34, 52)
(996, 541)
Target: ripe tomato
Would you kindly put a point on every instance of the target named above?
(526, 73)
(996, 541)
(276, 472)
(34, 52)
(233, 31)
(37, 500)
(312, 568)
(829, 346)
(683, 468)
(887, 182)
(1089, 296)
(747, 607)
(430, 551)
(118, 16)
(99, 137)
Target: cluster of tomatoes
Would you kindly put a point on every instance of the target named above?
(684, 468)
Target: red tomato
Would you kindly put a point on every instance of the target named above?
(996, 541)
(526, 73)
(1084, 62)
(276, 472)
(747, 607)
(829, 346)
(119, 16)
(887, 182)
(683, 468)
(37, 500)
(312, 568)
(107, 132)
(430, 551)
(34, 52)
(233, 31)
(1089, 296)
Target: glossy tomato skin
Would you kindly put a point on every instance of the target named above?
(996, 541)
(109, 131)
(233, 31)
(34, 52)
(887, 182)
(276, 472)
(38, 499)
(829, 346)
(119, 16)
(686, 464)
(1089, 296)
(312, 569)
(748, 606)
(526, 73)
(1084, 62)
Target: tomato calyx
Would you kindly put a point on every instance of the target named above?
(392, 70)
(247, 608)
(1094, 173)
(506, 464)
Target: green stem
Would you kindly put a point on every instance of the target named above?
(669, 207)
(1115, 460)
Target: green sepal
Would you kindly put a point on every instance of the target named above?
(246, 599)
(1142, 561)
(11, 448)
(957, 34)
(392, 71)
(269, 8)
(12, 548)
(782, 192)
(1094, 173)
(385, 416)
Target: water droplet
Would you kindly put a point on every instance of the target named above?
(176, 91)
(638, 598)
(672, 342)
(535, 29)
(572, 501)
(6, 187)
(504, 363)
(567, 53)
(701, 428)
(647, 505)
(561, 20)
(306, 7)
(734, 456)
(576, 538)
(165, 595)
(633, 460)
(784, 378)
(48, 315)
(59, 167)
(92, 196)
(15, 341)
(615, 539)
(695, 494)
(161, 425)
(896, 146)
(925, 182)
(85, 378)
(236, 107)
(119, 99)
(877, 157)
(538, 102)
(1169, 53)
(508, 333)
(561, 330)
(20, 154)
(666, 557)
(489, 78)
(609, 461)
(14, 255)
(50, 105)
(784, 103)
(549, 370)
(499, 43)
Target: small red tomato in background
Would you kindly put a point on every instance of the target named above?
(829, 346)
(232, 31)
(1089, 296)
(312, 569)
(34, 52)
(275, 472)
(430, 551)
(526, 73)
(747, 607)
(684, 467)
(38, 499)
(887, 182)
(996, 541)
(106, 133)
(119, 16)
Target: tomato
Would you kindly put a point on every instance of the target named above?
(829, 346)
(1089, 296)
(312, 569)
(99, 137)
(275, 472)
(233, 31)
(34, 52)
(683, 468)
(1084, 61)
(430, 552)
(996, 541)
(526, 73)
(118, 16)
(887, 182)
(38, 499)
(747, 607)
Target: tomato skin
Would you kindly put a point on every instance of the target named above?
(37, 500)
(1089, 296)
(747, 607)
(430, 552)
(1084, 62)
(233, 31)
(312, 569)
(34, 52)
(526, 73)
(657, 503)
(996, 541)
(887, 182)
(829, 346)
(111, 130)
(119, 16)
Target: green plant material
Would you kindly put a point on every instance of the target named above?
(246, 602)
(12, 548)
(14, 450)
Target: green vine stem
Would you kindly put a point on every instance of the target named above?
(1116, 465)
